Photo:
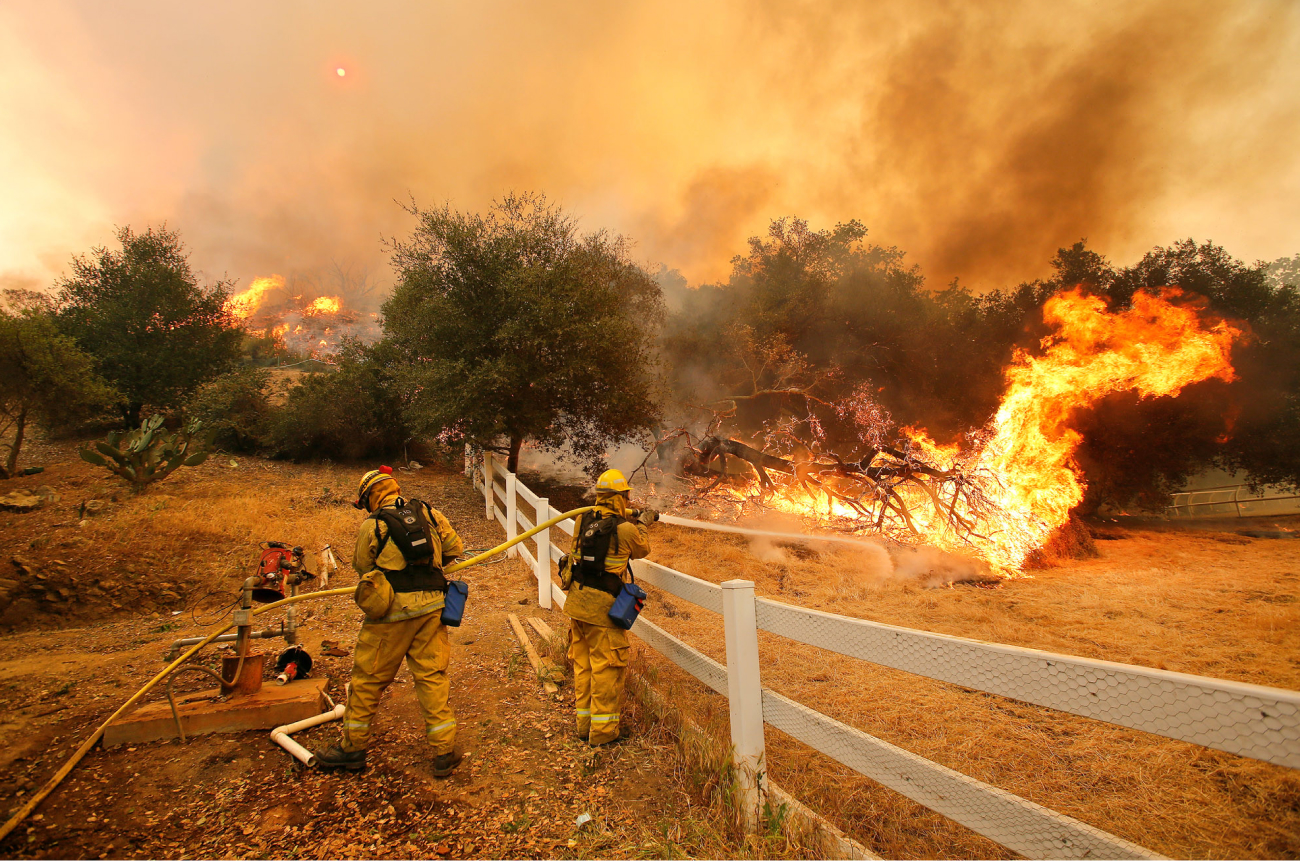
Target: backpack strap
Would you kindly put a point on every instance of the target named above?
(421, 576)
(589, 570)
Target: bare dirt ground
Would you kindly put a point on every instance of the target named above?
(91, 603)
(1207, 600)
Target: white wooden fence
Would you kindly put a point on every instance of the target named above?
(1233, 500)
(1249, 720)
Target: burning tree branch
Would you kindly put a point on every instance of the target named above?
(1006, 489)
(873, 490)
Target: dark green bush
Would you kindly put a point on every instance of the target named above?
(348, 413)
(267, 350)
(236, 408)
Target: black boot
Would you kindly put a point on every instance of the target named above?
(334, 757)
(623, 735)
(445, 763)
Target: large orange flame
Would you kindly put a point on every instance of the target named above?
(1155, 347)
(245, 304)
(1023, 460)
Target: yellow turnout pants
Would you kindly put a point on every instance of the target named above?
(599, 658)
(380, 649)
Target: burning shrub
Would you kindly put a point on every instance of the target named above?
(813, 325)
(289, 319)
(348, 413)
(236, 408)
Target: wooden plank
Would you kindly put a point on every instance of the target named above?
(543, 630)
(272, 706)
(551, 687)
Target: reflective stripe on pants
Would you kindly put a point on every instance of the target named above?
(422, 641)
(599, 658)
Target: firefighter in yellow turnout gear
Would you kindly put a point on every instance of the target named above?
(403, 606)
(597, 647)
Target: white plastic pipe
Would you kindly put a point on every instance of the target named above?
(280, 735)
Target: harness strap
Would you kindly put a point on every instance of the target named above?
(608, 582)
(589, 567)
(416, 576)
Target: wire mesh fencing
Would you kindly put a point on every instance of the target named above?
(1248, 720)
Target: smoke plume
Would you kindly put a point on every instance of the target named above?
(977, 137)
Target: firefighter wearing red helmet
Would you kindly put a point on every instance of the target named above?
(604, 541)
(403, 603)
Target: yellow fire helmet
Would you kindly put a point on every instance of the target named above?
(368, 482)
(612, 481)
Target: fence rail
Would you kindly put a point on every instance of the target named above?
(1250, 720)
(1020, 825)
(1232, 500)
(700, 592)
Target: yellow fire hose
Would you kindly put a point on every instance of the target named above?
(67, 767)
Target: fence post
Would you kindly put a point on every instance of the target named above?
(512, 512)
(487, 484)
(744, 695)
(543, 556)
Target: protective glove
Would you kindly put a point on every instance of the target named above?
(648, 516)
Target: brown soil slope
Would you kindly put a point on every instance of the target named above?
(95, 606)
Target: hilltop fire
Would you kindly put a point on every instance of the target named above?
(1003, 491)
(324, 306)
(243, 305)
(310, 325)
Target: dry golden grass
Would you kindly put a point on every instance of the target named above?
(235, 508)
(194, 534)
(1198, 602)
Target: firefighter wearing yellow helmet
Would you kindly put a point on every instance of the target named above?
(403, 599)
(604, 541)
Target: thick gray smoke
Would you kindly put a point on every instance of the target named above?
(977, 136)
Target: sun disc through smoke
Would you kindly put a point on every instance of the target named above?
(341, 71)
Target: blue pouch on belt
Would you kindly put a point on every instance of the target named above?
(454, 608)
(628, 603)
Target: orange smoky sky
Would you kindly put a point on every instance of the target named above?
(978, 137)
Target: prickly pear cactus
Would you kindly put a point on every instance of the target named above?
(149, 453)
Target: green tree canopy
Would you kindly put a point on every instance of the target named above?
(154, 332)
(43, 377)
(352, 411)
(512, 324)
(808, 317)
(811, 315)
